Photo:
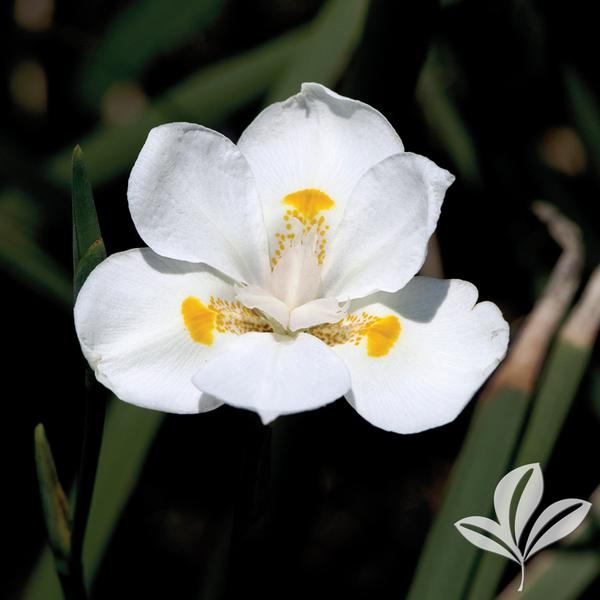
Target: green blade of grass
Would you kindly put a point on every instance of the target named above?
(143, 30)
(207, 97)
(326, 49)
(558, 386)
(88, 247)
(55, 506)
(495, 428)
(129, 434)
(88, 252)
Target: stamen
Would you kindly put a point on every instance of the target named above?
(302, 220)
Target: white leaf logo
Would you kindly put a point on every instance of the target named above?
(515, 500)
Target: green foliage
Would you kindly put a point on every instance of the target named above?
(20, 252)
(88, 247)
(207, 97)
(128, 436)
(585, 112)
(55, 505)
(142, 31)
(444, 118)
(326, 48)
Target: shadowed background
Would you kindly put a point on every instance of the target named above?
(504, 94)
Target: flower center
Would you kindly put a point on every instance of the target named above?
(291, 301)
(291, 298)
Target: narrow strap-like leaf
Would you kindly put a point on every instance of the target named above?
(88, 247)
(57, 513)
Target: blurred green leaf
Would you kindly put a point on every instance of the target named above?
(445, 121)
(128, 436)
(326, 50)
(208, 97)
(447, 560)
(143, 30)
(20, 253)
(558, 385)
(586, 113)
(55, 505)
(564, 575)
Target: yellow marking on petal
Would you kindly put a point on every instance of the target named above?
(199, 320)
(309, 202)
(381, 332)
(382, 335)
(222, 316)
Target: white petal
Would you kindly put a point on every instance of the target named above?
(438, 181)
(273, 374)
(316, 139)
(256, 297)
(296, 277)
(316, 312)
(446, 349)
(192, 197)
(382, 239)
(129, 321)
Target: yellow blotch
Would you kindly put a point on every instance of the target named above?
(382, 335)
(199, 320)
(309, 202)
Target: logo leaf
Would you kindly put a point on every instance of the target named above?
(578, 509)
(488, 535)
(516, 497)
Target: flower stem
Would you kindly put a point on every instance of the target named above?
(95, 411)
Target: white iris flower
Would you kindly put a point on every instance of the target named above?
(280, 275)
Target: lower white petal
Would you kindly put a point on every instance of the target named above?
(129, 321)
(445, 348)
(273, 374)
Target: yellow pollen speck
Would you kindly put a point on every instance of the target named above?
(199, 320)
(382, 335)
(309, 202)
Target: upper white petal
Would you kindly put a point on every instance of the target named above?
(447, 347)
(315, 139)
(273, 374)
(382, 239)
(129, 323)
(192, 197)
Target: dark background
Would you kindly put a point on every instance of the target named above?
(347, 507)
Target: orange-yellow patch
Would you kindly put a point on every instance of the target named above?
(382, 335)
(220, 316)
(309, 202)
(199, 320)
